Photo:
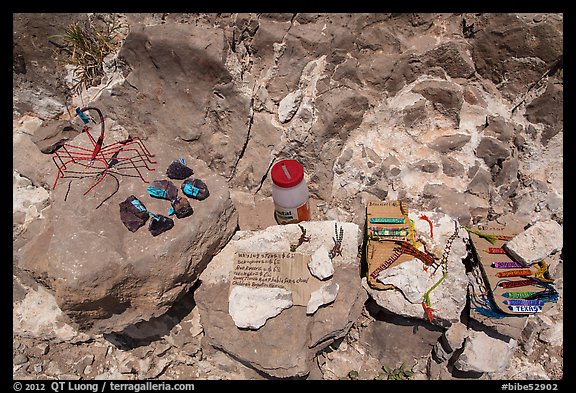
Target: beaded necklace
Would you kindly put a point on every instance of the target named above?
(404, 248)
(407, 248)
(444, 263)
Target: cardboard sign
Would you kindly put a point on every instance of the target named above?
(498, 280)
(288, 270)
(387, 221)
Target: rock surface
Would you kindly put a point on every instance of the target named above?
(285, 345)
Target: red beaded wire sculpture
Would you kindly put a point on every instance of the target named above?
(124, 157)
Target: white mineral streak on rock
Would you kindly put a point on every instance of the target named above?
(252, 307)
(536, 242)
(320, 264)
(324, 295)
(38, 316)
(26, 197)
(289, 105)
(305, 113)
(485, 354)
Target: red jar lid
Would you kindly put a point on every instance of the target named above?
(287, 173)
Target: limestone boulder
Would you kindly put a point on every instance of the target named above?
(27, 159)
(452, 340)
(105, 277)
(485, 354)
(536, 243)
(411, 281)
(286, 344)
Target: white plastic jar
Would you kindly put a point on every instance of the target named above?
(289, 192)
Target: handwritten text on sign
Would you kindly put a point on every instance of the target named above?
(275, 270)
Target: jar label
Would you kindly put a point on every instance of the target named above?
(294, 215)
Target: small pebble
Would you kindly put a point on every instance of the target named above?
(20, 359)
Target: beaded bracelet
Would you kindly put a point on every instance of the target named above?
(506, 265)
(387, 220)
(495, 250)
(389, 232)
(525, 308)
(518, 295)
(515, 284)
(514, 273)
(523, 302)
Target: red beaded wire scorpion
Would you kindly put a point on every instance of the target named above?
(123, 157)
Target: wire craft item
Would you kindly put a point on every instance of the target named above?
(126, 157)
(339, 236)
